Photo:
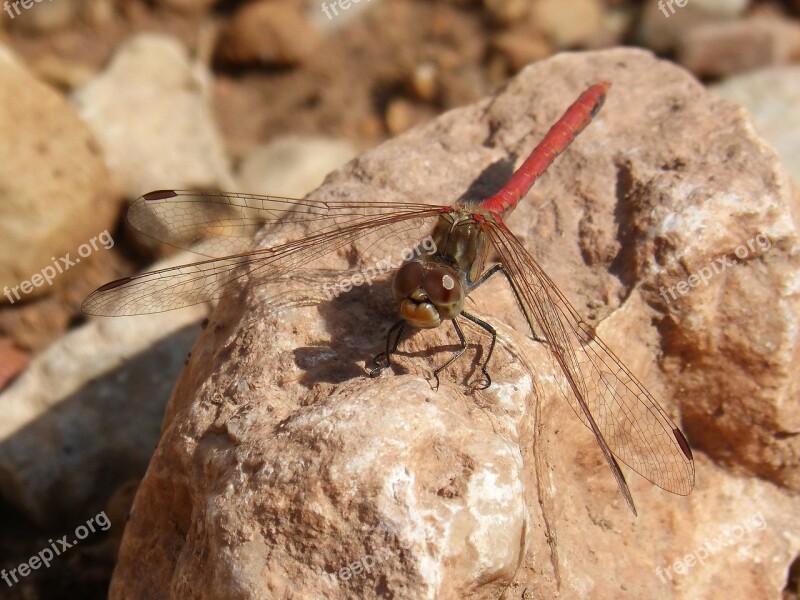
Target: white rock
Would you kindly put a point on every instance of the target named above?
(292, 166)
(150, 112)
(772, 97)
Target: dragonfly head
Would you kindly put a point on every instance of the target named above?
(427, 293)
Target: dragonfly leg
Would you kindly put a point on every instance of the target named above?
(384, 359)
(501, 269)
(484, 325)
(463, 346)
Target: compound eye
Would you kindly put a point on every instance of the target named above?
(407, 280)
(441, 286)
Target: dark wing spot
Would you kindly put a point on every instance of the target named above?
(159, 195)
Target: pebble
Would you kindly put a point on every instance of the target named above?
(150, 112)
(772, 97)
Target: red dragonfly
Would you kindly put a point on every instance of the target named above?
(470, 243)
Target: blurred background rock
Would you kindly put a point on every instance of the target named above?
(104, 100)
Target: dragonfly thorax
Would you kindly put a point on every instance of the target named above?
(427, 293)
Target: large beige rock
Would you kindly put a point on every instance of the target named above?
(55, 191)
(284, 472)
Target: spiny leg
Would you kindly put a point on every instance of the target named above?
(483, 278)
(456, 354)
(483, 324)
(384, 359)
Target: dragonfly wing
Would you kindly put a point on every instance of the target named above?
(222, 224)
(607, 397)
(377, 241)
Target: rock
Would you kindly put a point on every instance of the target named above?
(187, 6)
(42, 17)
(507, 12)
(62, 73)
(722, 8)
(292, 166)
(86, 414)
(663, 30)
(772, 97)
(284, 471)
(269, 32)
(424, 81)
(567, 23)
(327, 17)
(55, 191)
(722, 49)
(520, 47)
(151, 115)
(403, 114)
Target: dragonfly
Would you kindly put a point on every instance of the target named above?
(468, 242)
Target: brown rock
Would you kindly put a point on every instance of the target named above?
(55, 190)
(507, 11)
(271, 32)
(663, 33)
(281, 464)
(720, 49)
(187, 6)
(567, 23)
(520, 47)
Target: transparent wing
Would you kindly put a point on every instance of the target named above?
(222, 224)
(626, 420)
(377, 236)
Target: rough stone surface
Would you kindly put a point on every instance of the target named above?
(281, 464)
(50, 171)
(85, 416)
(150, 113)
(772, 97)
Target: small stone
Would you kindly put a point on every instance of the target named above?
(44, 17)
(292, 166)
(150, 111)
(402, 114)
(663, 32)
(721, 49)
(187, 6)
(722, 8)
(772, 97)
(520, 47)
(567, 23)
(267, 32)
(425, 81)
(507, 12)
